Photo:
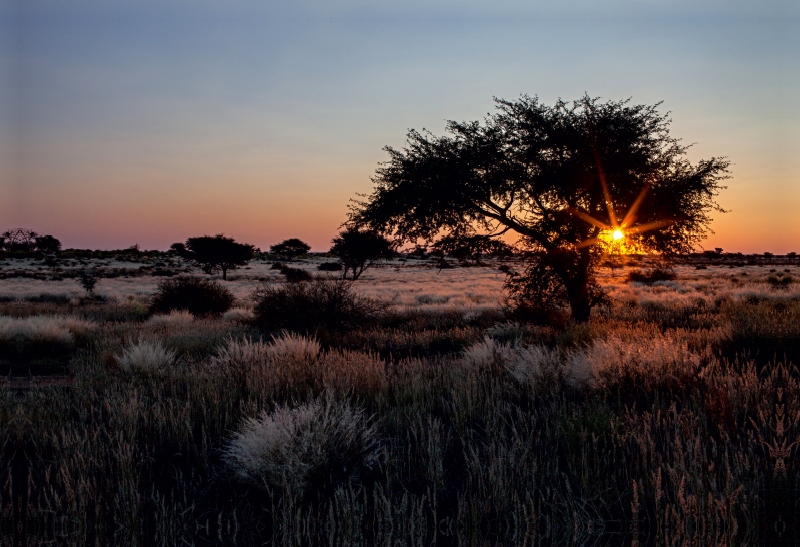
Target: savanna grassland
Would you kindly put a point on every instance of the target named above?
(417, 414)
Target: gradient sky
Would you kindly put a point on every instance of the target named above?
(152, 121)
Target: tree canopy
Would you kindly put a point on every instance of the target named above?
(290, 248)
(217, 253)
(360, 249)
(560, 177)
(24, 240)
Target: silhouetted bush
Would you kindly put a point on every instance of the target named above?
(780, 280)
(295, 275)
(651, 275)
(88, 280)
(199, 297)
(330, 267)
(328, 304)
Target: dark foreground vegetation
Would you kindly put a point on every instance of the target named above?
(649, 425)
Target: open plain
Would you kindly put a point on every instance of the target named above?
(671, 418)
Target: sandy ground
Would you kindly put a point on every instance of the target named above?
(421, 285)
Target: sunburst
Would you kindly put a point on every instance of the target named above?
(615, 237)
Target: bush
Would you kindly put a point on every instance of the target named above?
(651, 275)
(295, 275)
(314, 444)
(330, 267)
(200, 297)
(88, 280)
(308, 307)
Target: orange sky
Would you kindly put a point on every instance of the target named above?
(151, 122)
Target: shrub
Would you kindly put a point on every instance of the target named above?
(88, 280)
(313, 444)
(308, 307)
(295, 275)
(780, 280)
(651, 275)
(145, 357)
(197, 296)
(330, 267)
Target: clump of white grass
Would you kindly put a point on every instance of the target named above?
(173, 318)
(293, 347)
(288, 348)
(649, 355)
(43, 329)
(240, 354)
(145, 357)
(488, 353)
(317, 441)
(528, 365)
(238, 314)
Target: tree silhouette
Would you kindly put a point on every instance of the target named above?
(24, 240)
(217, 253)
(19, 240)
(290, 248)
(47, 244)
(556, 177)
(359, 249)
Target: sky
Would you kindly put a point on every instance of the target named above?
(147, 122)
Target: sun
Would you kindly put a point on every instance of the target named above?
(615, 237)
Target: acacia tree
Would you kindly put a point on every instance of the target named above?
(215, 253)
(24, 240)
(360, 249)
(556, 177)
(290, 248)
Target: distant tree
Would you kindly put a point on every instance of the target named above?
(217, 253)
(555, 176)
(24, 240)
(290, 248)
(19, 240)
(47, 244)
(360, 249)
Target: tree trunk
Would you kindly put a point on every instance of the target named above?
(224, 274)
(576, 281)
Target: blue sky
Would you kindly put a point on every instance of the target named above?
(149, 122)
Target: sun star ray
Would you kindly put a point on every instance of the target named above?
(588, 218)
(650, 226)
(601, 174)
(631, 214)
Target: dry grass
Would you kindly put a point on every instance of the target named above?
(145, 357)
(671, 418)
(319, 441)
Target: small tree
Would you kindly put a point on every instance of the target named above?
(217, 253)
(88, 280)
(358, 250)
(290, 248)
